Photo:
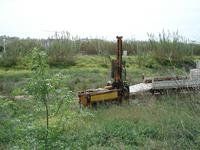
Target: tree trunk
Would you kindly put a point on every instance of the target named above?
(47, 116)
(47, 124)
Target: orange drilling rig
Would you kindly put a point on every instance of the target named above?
(113, 91)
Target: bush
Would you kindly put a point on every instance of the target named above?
(196, 49)
(62, 50)
(16, 51)
(97, 46)
(170, 49)
(8, 59)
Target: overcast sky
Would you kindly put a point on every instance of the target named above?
(99, 18)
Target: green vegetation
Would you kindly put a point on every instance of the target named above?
(40, 86)
(171, 49)
(147, 122)
(168, 49)
(61, 50)
(170, 122)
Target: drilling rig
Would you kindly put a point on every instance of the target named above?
(117, 90)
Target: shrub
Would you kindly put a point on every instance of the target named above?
(62, 50)
(170, 49)
(17, 50)
(8, 59)
(97, 46)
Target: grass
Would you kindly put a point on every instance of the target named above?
(11, 80)
(148, 122)
(166, 122)
(90, 72)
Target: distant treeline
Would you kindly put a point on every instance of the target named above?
(170, 48)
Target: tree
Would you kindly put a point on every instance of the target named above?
(47, 88)
(40, 84)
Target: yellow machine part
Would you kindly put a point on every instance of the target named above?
(104, 96)
(91, 97)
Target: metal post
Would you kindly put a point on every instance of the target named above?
(119, 58)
